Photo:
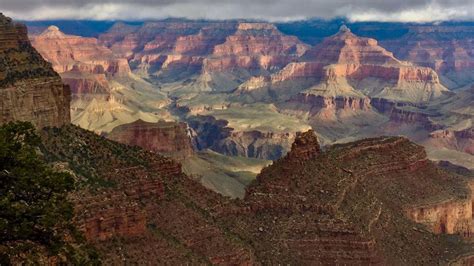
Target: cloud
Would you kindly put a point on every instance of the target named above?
(273, 10)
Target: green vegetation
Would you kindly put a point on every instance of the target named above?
(35, 214)
(13, 66)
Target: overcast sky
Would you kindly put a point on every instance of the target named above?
(273, 10)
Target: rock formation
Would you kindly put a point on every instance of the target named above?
(138, 207)
(305, 147)
(351, 203)
(261, 133)
(30, 90)
(105, 93)
(172, 55)
(462, 140)
(255, 144)
(345, 65)
(75, 53)
(167, 138)
(84, 64)
(254, 49)
(446, 49)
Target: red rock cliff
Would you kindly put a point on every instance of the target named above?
(448, 50)
(344, 65)
(255, 46)
(75, 53)
(168, 138)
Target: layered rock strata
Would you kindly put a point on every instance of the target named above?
(254, 49)
(346, 198)
(75, 53)
(348, 204)
(345, 65)
(446, 49)
(460, 140)
(167, 138)
(29, 88)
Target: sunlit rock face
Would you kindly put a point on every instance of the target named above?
(30, 90)
(254, 49)
(446, 49)
(347, 65)
(83, 63)
(75, 53)
(105, 93)
(255, 46)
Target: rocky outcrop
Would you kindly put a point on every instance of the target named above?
(75, 53)
(168, 138)
(341, 202)
(460, 140)
(30, 90)
(254, 49)
(347, 65)
(305, 147)
(255, 46)
(446, 49)
(446, 218)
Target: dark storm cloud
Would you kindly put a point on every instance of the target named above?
(393, 10)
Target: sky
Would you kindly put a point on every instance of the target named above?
(271, 10)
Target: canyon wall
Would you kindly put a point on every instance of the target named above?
(255, 46)
(29, 88)
(348, 65)
(446, 49)
(167, 138)
(77, 53)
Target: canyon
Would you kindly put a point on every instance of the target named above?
(347, 65)
(348, 213)
(373, 201)
(256, 78)
(105, 93)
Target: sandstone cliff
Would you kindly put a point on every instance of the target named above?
(347, 65)
(254, 49)
(29, 88)
(167, 138)
(446, 49)
(75, 53)
(85, 65)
